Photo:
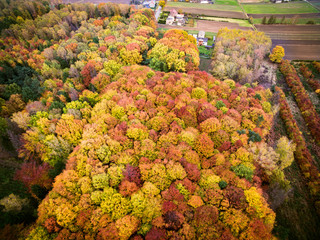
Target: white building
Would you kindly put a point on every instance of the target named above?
(170, 20)
(201, 34)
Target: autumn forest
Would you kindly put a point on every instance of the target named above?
(109, 130)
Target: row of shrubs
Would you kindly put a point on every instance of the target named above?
(273, 20)
(307, 108)
(302, 154)
(317, 66)
(307, 73)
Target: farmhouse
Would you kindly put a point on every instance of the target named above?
(149, 4)
(180, 20)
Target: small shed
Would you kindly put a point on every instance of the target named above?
(202, 41)
(201, 34)
(170, 20)
(152, 4)
(146, 4)
(180, 19)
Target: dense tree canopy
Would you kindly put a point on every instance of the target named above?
(176, 51)
(238, 54)
(153, 162)
(123, 138)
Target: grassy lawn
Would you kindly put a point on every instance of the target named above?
(208, 34)
(205, 64)
(289, 20)
(280, 8)
(228, 5)
(226, 2)
(242, 23)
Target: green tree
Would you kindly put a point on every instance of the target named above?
(271, 20)
(31, 89)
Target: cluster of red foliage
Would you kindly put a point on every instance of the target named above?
(31, 174)
(302, 154)
(18, 52)
(315, 85)
(317, 66)
(305, 71)
(310, 78)
(307, 109)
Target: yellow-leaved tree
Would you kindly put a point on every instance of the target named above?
(162, 3)
(277, 54)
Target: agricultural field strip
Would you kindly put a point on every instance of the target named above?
(241, 22)
(211, 12)
(218, 7)
(291, 32)
(301, 52)
(287, 21)
(207, 26)
(300, 15)
(287, 8)
(301, 37)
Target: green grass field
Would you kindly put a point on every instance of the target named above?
(227, 2)
(280, 8)
(228, 5)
